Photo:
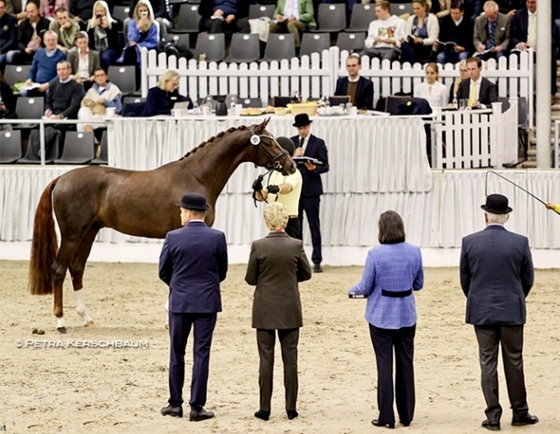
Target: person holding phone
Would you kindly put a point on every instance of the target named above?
(103, 32)
(142, 31)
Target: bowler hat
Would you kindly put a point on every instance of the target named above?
(496, 204)
(194, 201)
(302, 120)
(286, 144)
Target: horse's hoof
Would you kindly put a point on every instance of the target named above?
(89, 324)
(62, 330)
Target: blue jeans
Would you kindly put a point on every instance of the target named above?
(108, 58)
(450, 56)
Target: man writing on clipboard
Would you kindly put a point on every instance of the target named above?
(312, 158)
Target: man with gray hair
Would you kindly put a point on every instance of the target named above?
(497, 274)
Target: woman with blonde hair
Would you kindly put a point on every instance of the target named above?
(143, 31)
(463, 75)
(103, 33)
(432, 90)
(162, 98)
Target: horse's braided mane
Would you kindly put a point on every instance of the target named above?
(212, 139)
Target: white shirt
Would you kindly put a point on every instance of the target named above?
(436, 94)
(291, 9)
(83, 65)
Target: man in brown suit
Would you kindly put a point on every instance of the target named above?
(276, 264)
(491, 32)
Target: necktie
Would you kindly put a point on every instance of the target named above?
(532, 39)
(491, 27)
(301, 142)
(472, 96)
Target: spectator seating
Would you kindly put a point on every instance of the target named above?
(251, 102)
(331, 18)
(10, 146)
(351, 41)
(78, 148)
(314, 43)
(29, 108)
(401, 8)
(258, 11)
(188, 19)
(121, 13)
(16, 73)
(245, 47)
(280, 46)
(212, 45)
(123, 77)
(362, 16)
(103, 151)
(32, 154)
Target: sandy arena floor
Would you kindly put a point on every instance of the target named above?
(71, 389)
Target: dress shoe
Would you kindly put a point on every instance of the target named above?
(317, 268)
(292, 414)
(492, 426)
(172, 411)
(405, 423)
(197, 416)
(375, 422)
(528, 419)
(262, 414)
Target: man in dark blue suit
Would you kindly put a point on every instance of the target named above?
(308, 145)
(360, 89)
(496, 276)
(193, 262)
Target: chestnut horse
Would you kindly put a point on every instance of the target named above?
(139, 203)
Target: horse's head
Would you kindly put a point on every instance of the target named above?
(268, 152)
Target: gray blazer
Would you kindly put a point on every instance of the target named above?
(501, 33)
(276, 264)
(73, 58)
(497, 274)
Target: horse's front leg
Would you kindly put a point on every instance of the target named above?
(81, 307)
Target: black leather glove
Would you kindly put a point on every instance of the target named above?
(273, 189)
(257, 185)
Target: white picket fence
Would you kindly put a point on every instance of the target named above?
(315, 76)
(475, 139)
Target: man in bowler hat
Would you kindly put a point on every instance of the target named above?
(193, 262)
(496, 276)
(308, 145)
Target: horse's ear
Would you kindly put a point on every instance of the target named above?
(262, 126)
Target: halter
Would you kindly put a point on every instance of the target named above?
(274, 163)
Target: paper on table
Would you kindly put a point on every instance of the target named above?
(302, 160)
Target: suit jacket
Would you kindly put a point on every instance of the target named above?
(461, 34)
(73, 57)
(501, 32)
(312, 184)
(8, 33)
(193, 262)
(497, 274)
(520, 29)
(25, 32)
(276, 264)
(487, 94)
(364, 91)
(306, 11)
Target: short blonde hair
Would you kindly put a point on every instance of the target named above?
(275, 216)
(167, 77)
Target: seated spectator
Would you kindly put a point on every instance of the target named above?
(30, 36)
(458, 29)
(48, 8)
(66, 29)
(162, 98)
(8, 34)
(384, 34)
(480, 92)
(16, 8)
(491, 32)
(432, 90)
(160, 7)
(142, 31)
(63, 97)
(360, 89)
(463, 75)
(102, 94)
(103, 32)
(290, 20)
(45, 65)
(524, 36)
(7, 102)
(421, 32)
(219, 16)
(82, 11)
(83, 61)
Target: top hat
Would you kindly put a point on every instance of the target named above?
(286, 144)
(302, 120)
(496, 204)
(194, 201)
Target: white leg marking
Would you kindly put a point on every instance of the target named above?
(60, 323)
(81, 307)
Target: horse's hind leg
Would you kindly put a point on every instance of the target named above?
(77, 268)
(59, 268)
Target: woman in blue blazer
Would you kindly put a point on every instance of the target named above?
(162, 98)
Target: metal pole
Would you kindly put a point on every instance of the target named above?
(544, 35)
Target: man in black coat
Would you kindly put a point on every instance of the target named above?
(308, 145)
(219, 16)
(8, 33)
(458, 28)
(497, 274)
(360, 89)
(480, 92)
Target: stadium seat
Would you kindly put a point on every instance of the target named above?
(244, 47)
(29, 108)
(78, 148)
(280, 46)
(362, 16)
(212, 45)
(401, 8)
(188, 19)
(103, 153)
(258, 11)
(331, 18)
(251, 102)
(10, 146)
(314, 43)
(16, 73)
(351, 42)
(121, 13)
(124, 77)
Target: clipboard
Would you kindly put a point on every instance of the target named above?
(303, 160)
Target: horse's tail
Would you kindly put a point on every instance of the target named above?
(44, 245)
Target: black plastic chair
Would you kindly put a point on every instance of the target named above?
(314, 43)
(188, 19)
(121, 13)
(362, 16)
(281, 101)
(103, 151)
(16, 73)
(244, 47)
(351, 42)
(181, 40)
(279, 47)
(213, 45)
(251, 102)
(258, 11)
(336, 100)
(401, 8)
(78, 148)
(124, 77)
(29, 108)
(32, 156)
(331, 18)
(10, 146)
